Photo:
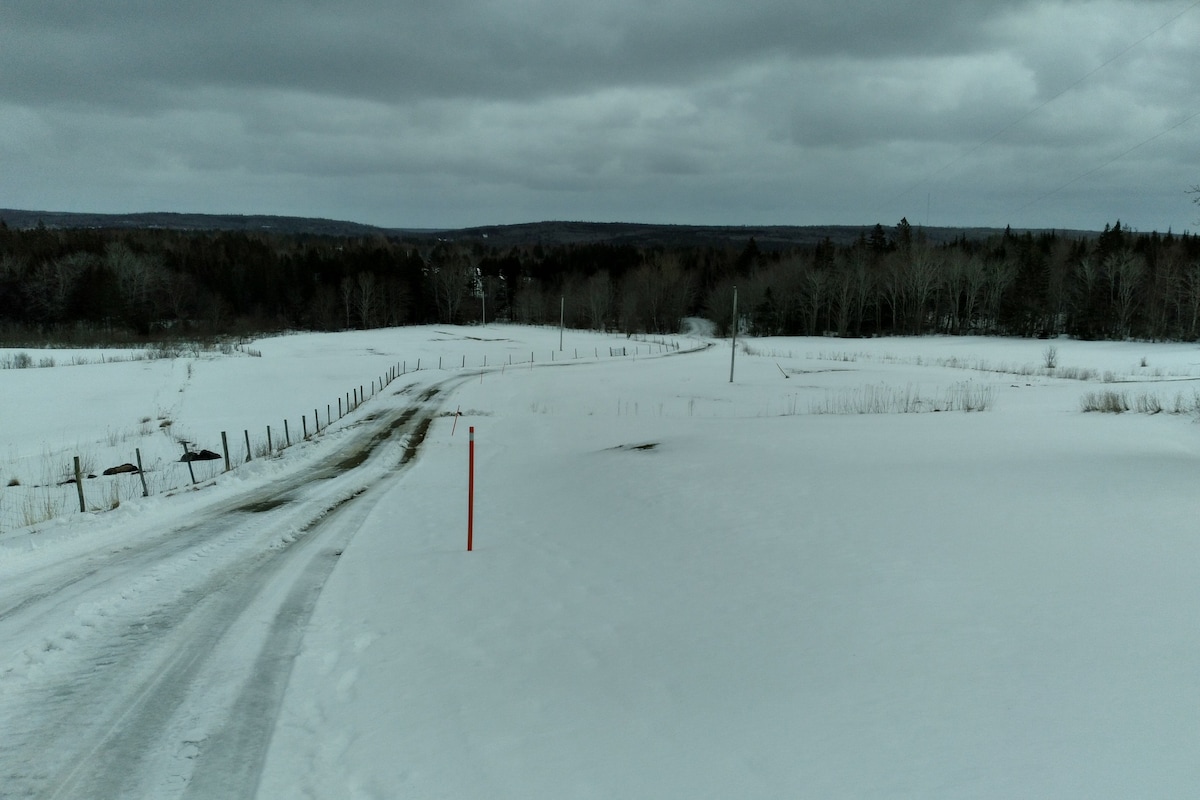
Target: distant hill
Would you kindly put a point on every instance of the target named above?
(767, 237)
(188, 222)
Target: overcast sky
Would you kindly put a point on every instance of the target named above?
(451, 113)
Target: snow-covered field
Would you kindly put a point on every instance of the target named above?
(681, 586)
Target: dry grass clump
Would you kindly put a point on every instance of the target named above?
(1114, 402)
(884, 399)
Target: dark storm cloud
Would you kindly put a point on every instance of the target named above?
(389, 51)
(676, 111)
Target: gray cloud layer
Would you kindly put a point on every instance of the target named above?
(465, 112)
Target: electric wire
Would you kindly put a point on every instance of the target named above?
(1112, 160)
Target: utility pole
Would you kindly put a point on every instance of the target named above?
(733, 350)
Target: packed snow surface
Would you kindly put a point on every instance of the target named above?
(862, 568)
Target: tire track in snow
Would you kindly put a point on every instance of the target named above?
(121, 720)
(222, 770)
(179, 696)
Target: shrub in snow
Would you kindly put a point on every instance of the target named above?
(1108, 402)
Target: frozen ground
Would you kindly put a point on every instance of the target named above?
(681, 587)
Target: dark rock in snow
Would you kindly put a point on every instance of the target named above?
(203, 455)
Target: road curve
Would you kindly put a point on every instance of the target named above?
(173, 655)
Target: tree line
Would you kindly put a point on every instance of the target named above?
(87, 285)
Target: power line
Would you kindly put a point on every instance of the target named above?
(1112, 160)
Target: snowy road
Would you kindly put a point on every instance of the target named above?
(682, 586)
(172, 654)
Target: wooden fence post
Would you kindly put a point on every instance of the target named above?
(249, 455)
(142, 472)
(287, 435)
(225, 447)
(191, 471)
(79, 485)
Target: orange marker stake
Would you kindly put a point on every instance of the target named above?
(471, 492)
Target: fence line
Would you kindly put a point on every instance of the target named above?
(34, 510)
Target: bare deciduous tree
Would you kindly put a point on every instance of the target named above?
(850, 288)
(51, 283)
(529, 304)
(323, 308)
(967, 276)
(394, 302)
(815, 281)
(718, 307)
(364, 298)
(599, 294)
(893, 287)
(921, 278)
(347, 289)
(1124, 270)
(179, 293)
(452, 274)
(657, 294)
(1190, 298)
(139, 278)
(1000, 275)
